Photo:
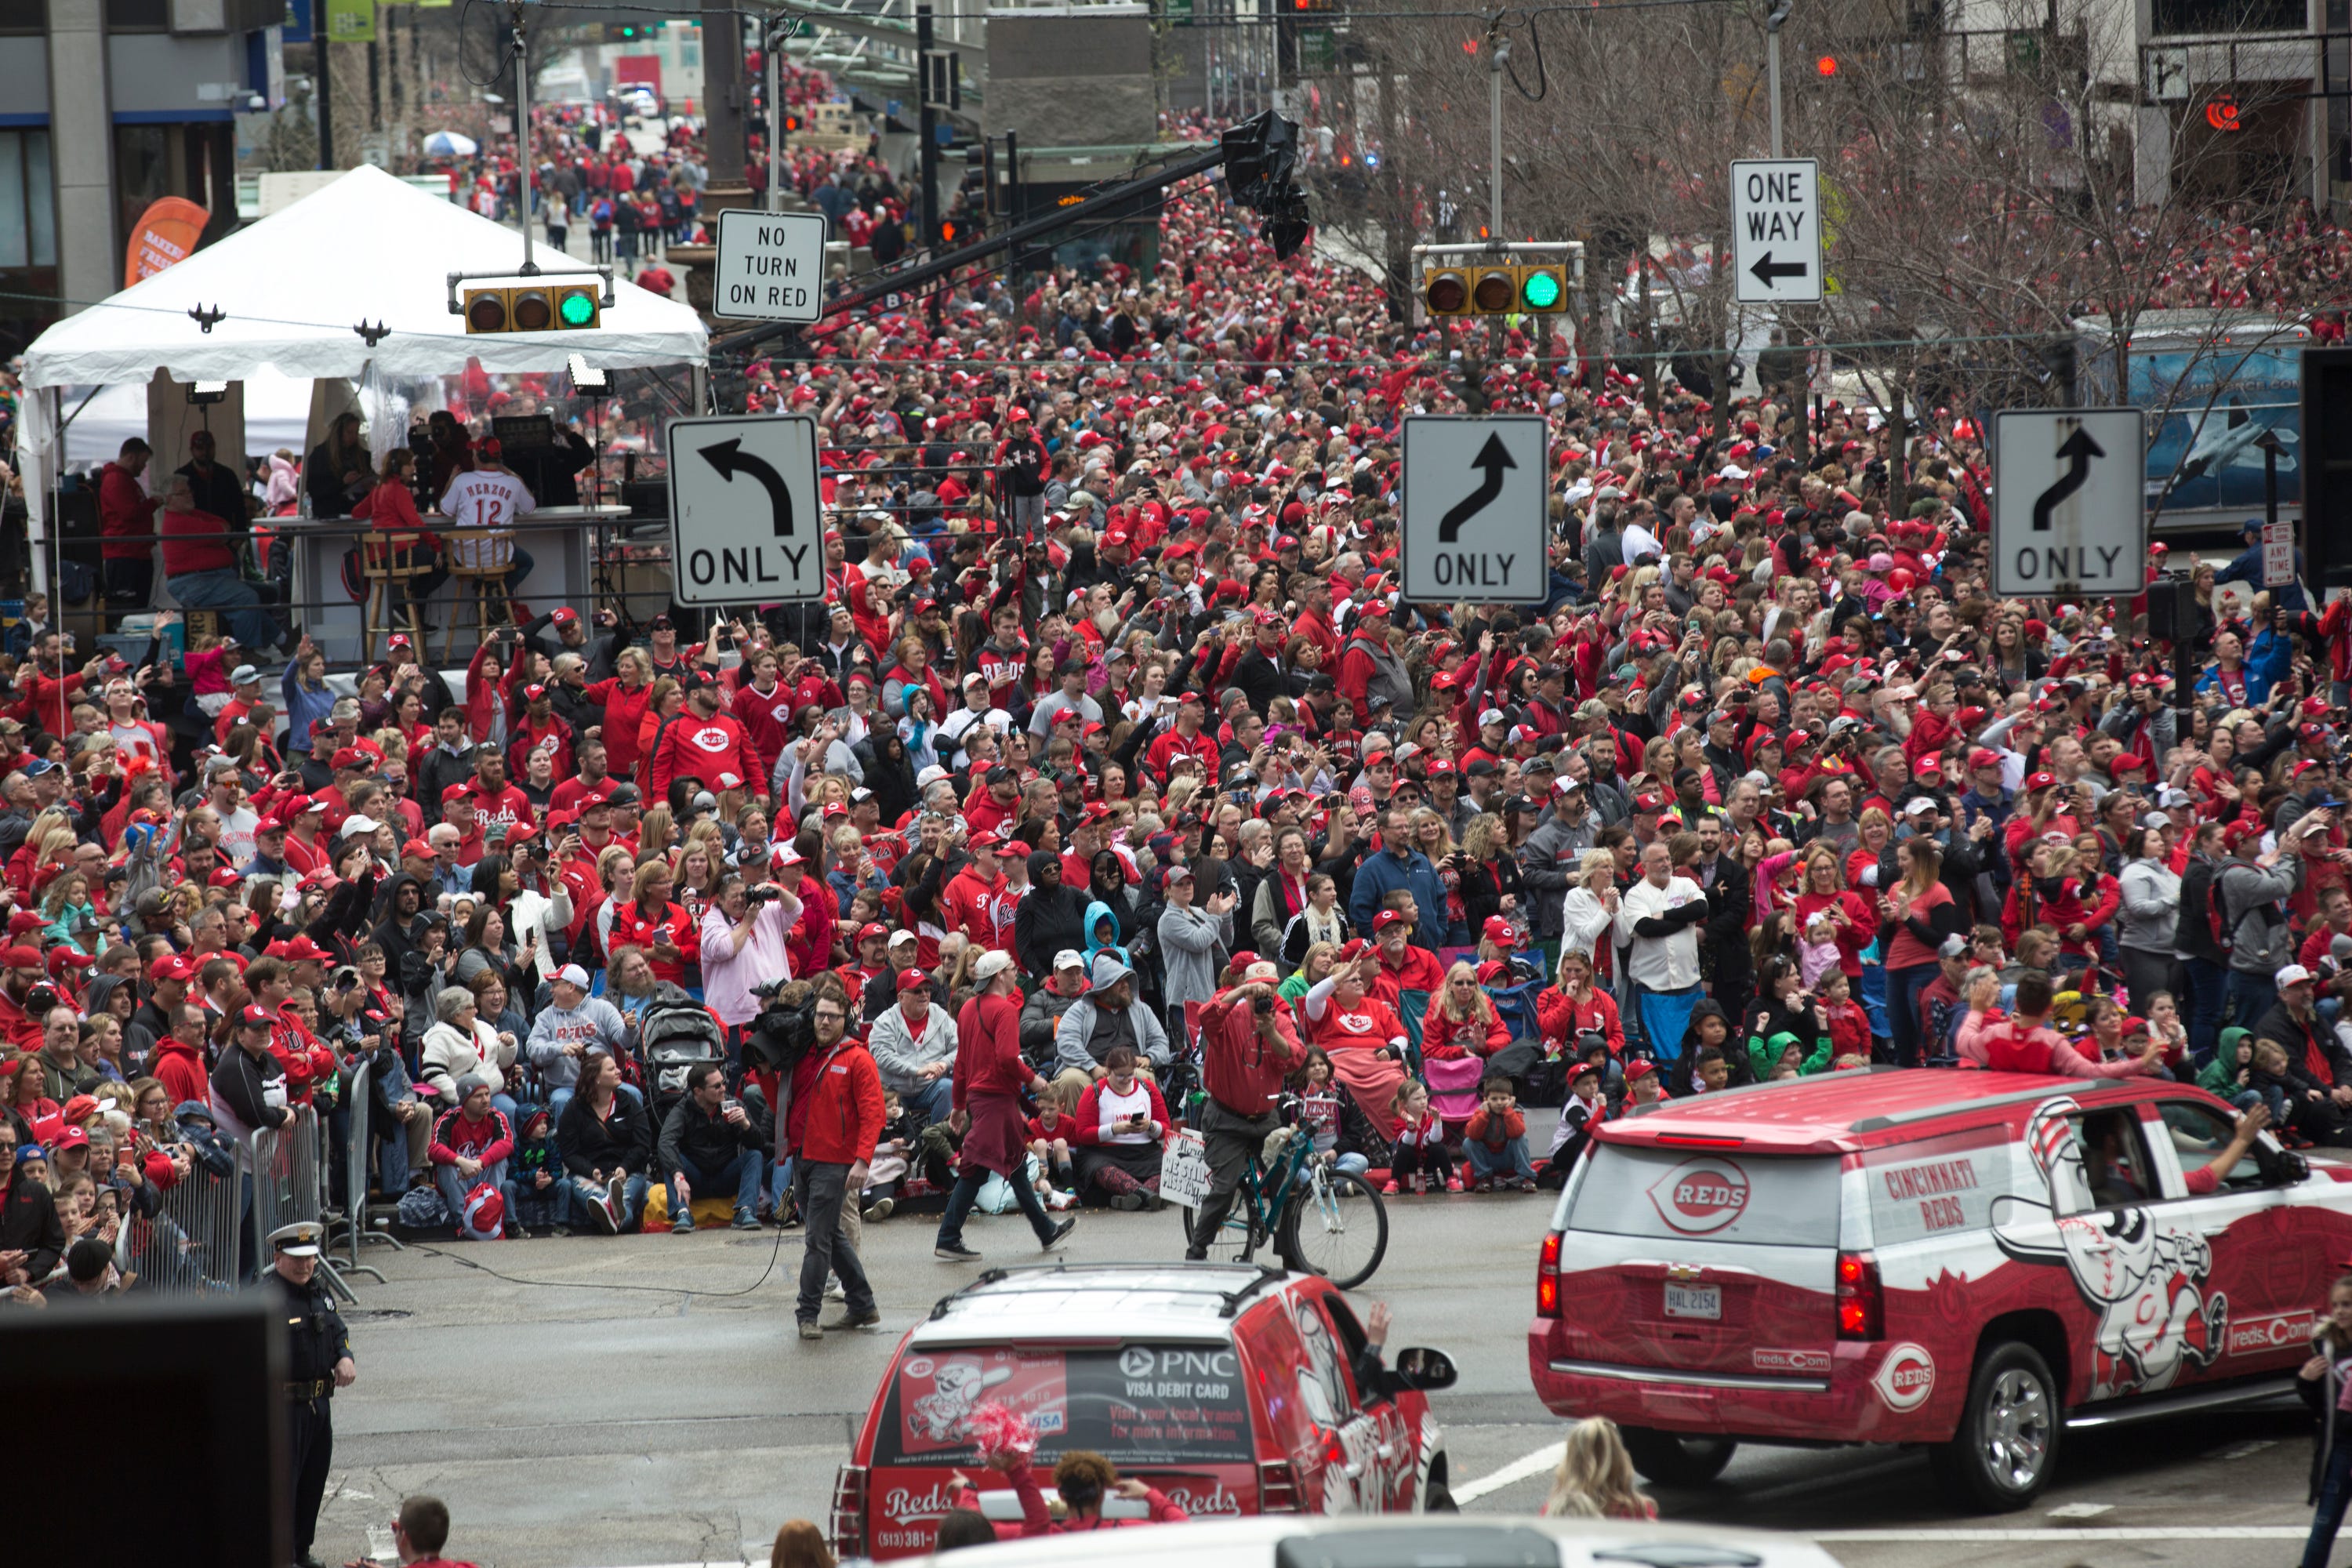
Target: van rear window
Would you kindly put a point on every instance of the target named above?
(1764, 1200)
(1136, 1405)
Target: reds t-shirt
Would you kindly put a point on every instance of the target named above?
(482, 500)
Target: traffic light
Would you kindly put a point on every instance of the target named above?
(534, 308)
(629, 32)
(1259, 155)
(1543, 287)
(1494, 287)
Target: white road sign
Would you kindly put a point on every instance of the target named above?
(771, 267)
(2068, 513)
(1776, 231)
(746, 520)
(1475, 524)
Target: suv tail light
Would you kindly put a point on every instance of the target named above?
(1548, 1277)
(1861, 1303)
(849, 1511)
(1277, 1486)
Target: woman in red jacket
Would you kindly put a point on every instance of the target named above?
(1576, 1005)
(672, 943)
(1822, 890)
(1117, 1134)
(406, 542)
(623, 699)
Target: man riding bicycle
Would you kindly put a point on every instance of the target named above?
(1248, 1045)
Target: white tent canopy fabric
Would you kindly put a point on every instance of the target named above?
(292, 289)
(277, 414)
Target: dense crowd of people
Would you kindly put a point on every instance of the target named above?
(1115, 786)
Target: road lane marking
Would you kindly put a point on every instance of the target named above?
(1519, 1469)
(2093, 1532)
(2080, 1510)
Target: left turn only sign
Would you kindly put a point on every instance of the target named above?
(746, 521)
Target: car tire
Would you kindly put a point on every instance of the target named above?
(1673, 1459)
(2006, 1444)
(1439, 1499)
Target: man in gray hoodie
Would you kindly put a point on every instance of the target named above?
(1192, 943)
(566, 1030)
(2254, 893)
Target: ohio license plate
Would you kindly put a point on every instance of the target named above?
(1694, 1302)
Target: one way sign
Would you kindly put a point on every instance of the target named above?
(1776, 231)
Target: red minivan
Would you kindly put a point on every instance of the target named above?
(1974, 1262)
(1227, 1386)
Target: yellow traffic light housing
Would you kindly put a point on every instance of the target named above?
(1446, 290)
(579, 305)
(1543, 289)
(1494, 290)
(535, 307)
(486, 310)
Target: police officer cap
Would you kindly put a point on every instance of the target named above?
(299, 1239)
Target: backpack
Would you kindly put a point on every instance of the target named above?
(421, 1208)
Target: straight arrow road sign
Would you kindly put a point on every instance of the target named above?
(2069, 516)
(1477, 528)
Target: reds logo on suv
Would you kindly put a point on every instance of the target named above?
(1699, 1197)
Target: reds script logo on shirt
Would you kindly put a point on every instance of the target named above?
(713, 739)
(1906, 1378)
(1701, 1196)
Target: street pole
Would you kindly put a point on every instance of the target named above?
(326, 85)
(774, 53)
(1496, 56)
(1774, 20)
(2269, 443)
(522, 137)
(928, 123)
(1013, 210)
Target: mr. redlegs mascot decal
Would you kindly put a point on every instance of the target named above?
(2143, 1276)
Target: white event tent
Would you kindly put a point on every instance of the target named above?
(292, 290)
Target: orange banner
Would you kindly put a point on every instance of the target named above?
(166, 233)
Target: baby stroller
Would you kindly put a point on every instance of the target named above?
(676, 1034)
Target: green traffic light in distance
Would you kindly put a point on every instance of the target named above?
(1541, 290)
(577, 309)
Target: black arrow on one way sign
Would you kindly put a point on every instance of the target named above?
(730, 459)
(1494, 459)
(2078, 449)
(1767, 269)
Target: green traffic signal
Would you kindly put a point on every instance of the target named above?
(577, 309)
(1539, 291)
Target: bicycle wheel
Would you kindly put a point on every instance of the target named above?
(1237, 1240)
(1337, 1228)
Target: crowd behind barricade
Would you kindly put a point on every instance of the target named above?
(1114, 787)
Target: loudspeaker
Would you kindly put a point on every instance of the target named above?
(2326, 458)
(2171, 608)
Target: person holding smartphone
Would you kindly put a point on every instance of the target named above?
(1119, 1133)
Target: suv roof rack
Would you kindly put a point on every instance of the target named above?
(1928, 1112)
(1231, 1300)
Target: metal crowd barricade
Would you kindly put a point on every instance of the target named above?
(289, 1186)
(188, 1246)
(359, 1105)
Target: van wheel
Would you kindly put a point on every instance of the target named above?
(2006, 1444)
(1437, 1497)
(1672, 1459)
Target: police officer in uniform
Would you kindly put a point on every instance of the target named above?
(318, 1362)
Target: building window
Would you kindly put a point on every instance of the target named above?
(28, 239)
(29, 215)
(690, 56)
(138, 15)
(24, 17)
(2225, 16)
